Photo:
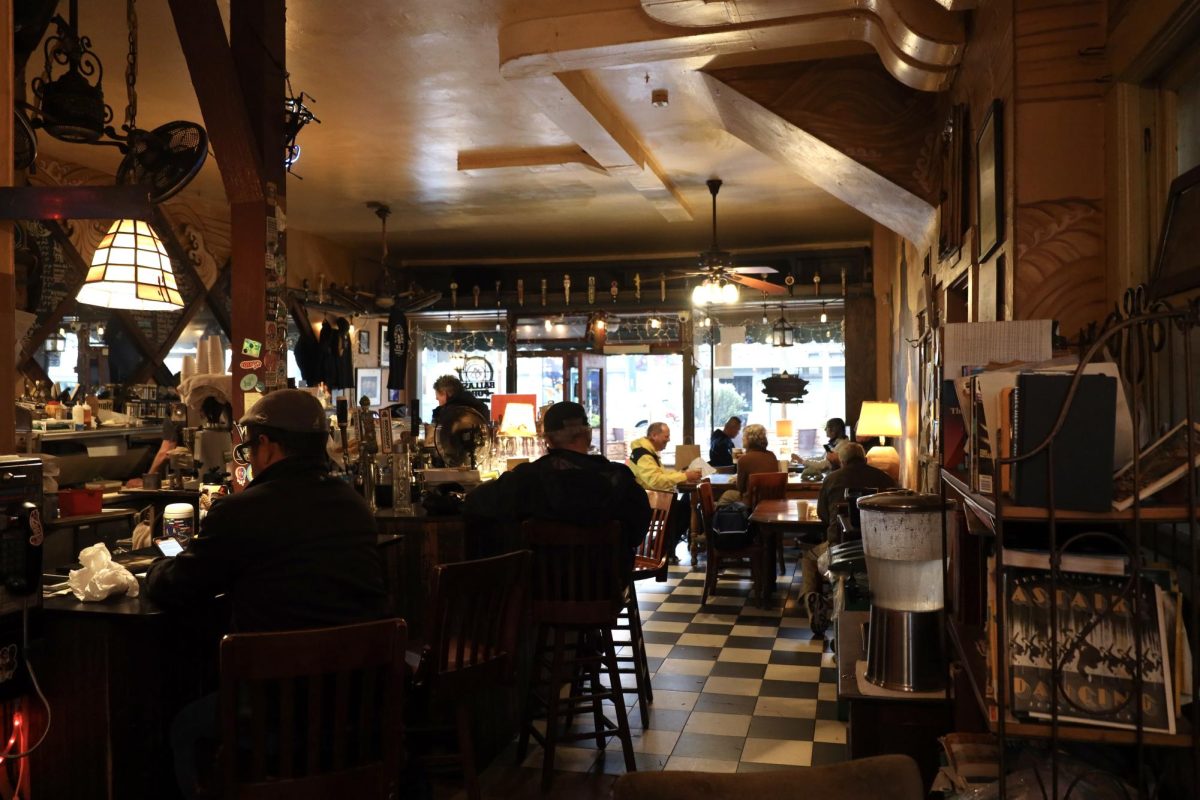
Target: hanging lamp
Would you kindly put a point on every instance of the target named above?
(131, 269)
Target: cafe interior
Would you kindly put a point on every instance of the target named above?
(667, 211)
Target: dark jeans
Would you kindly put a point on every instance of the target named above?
(194, 739)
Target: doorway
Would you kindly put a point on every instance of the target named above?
(574, 376)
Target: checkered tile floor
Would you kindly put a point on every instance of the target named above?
(736, 689)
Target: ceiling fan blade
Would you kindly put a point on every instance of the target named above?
(757, 285)
(684, 275)
(753, 270)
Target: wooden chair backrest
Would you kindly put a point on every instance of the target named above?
(765, 486)
(577, 574)
(313, 713)
(474, 619)
(654, 543)
(704, 502)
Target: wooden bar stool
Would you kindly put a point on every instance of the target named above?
(650, 561)
(577, 588)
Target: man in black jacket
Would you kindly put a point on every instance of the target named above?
(296, 549)
(450, 392)
(720, 443)
(566, 484)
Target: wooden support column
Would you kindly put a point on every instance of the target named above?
(8, 288)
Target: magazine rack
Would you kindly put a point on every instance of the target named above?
(1154, 347)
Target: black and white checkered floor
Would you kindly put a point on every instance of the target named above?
(736, 688)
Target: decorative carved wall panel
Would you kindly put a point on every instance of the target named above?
(1060, 257)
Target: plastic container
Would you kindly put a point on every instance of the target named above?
(179, 520)
(73, 502)
(78, 415)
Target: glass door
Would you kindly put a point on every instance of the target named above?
(592, 397)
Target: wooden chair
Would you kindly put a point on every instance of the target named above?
(768, 486)
(716, 557)
(313, 713)
(650, 561)
(474, 623)
(577, 586)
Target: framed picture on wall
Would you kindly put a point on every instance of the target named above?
(364, 342)
(989, 180)
(370, 385)
(385, 346)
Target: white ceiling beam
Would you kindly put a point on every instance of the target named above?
(822, 165)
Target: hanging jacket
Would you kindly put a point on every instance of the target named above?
(344, 363)
(327, 355)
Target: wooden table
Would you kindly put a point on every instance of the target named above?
(775, 518)
(721, 483)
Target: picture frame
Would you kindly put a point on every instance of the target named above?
(956, 193)
(1175, 269)
(989, 181)
(369, 384)
(364, 342)
(385, 346)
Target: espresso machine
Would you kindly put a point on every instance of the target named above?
(902, 543)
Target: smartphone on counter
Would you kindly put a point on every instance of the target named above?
(169, 547)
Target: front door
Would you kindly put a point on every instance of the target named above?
(592, 397)
(574, 376)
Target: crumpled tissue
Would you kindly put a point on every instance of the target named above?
(100, 577)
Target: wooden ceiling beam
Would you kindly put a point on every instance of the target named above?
(531, 158)
(824, 166)
(222, 103)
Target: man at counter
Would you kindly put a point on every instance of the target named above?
(296, 549)
(450, 392)
(651, 474)
(566, 484)
(720, 443)
(835, 429)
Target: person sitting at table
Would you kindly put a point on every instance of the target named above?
(296, 549)
(651, 474)
(757, 457)
(720, 443)
(835, 429)
(566, 484)
(855, 473)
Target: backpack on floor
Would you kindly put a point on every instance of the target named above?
(731, 526)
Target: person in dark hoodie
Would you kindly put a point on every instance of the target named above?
(720, 443)
(450, 392)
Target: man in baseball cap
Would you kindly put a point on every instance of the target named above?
(295, 549)
(566, 484)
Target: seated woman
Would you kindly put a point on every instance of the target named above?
(757, 458)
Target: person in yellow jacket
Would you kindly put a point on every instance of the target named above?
(650, 474)
(647, 466)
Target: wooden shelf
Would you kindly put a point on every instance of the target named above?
(985, 508)
(967, 641)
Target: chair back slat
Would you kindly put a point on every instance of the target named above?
(654, 544)
(306, 711)
(475, 617)
(765, 486)
(579, 574)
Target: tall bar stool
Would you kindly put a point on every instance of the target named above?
(650, 561)
(577, 587)
(768, 486)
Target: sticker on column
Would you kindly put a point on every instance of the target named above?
(248, 382)
(250, 364)
(251, 348)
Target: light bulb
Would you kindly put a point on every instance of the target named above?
(599, 324)
(765, 321)
(448, 327)
(549, 326)
(655, 323)
(499, 326)
(729, 293)
(100, 330)
(700, 294)
(824, 316)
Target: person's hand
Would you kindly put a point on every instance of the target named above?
(693, 475)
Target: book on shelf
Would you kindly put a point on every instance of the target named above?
(1097, 647)
(1083, 447)
(1095, 564)
(1161, 464)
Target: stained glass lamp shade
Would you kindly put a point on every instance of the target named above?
(131, 269)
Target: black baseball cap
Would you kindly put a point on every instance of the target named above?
(564, 415)
(288, 410)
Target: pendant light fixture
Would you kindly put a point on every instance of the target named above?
(131, 269)
(782, 334)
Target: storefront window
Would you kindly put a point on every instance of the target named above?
(734, 359)
(479, 358)
(639, 389)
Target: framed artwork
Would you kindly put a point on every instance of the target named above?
(385, 346)
(1177, 269)
(364, 342)
(370, 385)
(989, 180)
(956, 204)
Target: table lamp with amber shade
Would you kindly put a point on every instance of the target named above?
(882, 420)
(519, 425)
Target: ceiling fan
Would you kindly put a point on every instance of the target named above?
(719, 276)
